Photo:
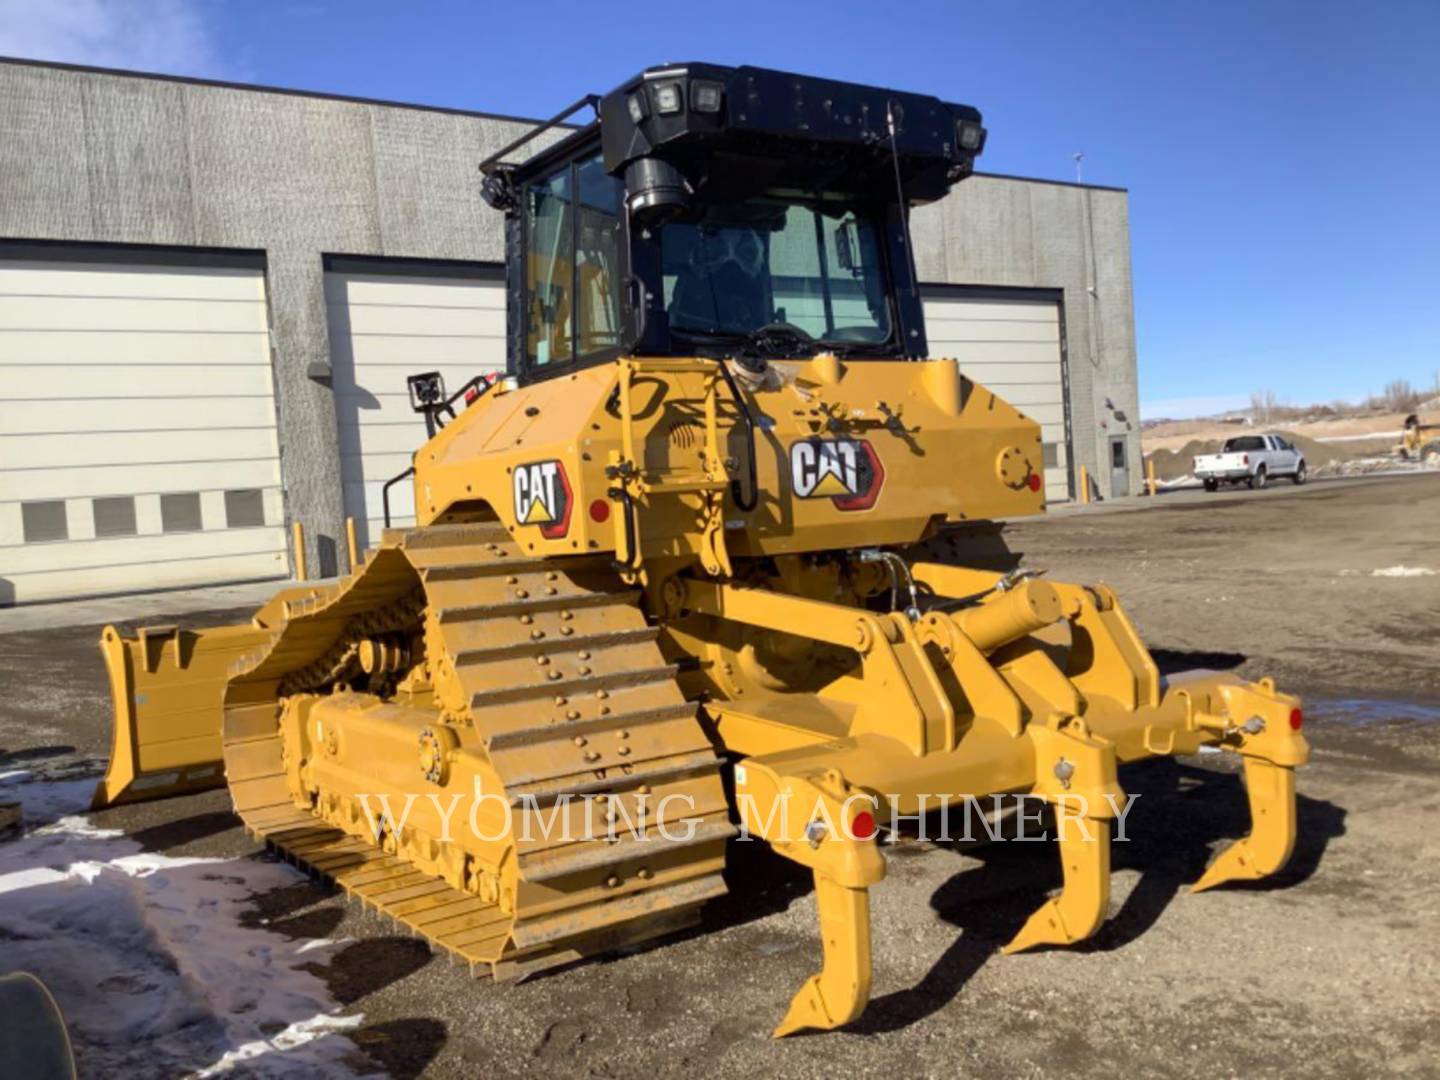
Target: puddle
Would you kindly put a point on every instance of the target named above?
(1361, 712)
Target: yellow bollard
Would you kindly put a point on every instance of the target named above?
(1150, 475)
(351, 543)
(1084, 484)
(300, 574)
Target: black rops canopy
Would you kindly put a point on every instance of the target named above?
(728, 130)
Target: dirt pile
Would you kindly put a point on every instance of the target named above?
(1178, 464)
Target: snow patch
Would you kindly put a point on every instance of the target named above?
(146, 953)
(322, 943)
(1404, 571)
(296, 1035)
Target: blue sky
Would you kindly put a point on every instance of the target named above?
(1283, 158)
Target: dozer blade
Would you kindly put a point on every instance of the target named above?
(1271, 791)
(167, 686)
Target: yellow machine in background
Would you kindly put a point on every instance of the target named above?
(719, 578)
(1419, 442)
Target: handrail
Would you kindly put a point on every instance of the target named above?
(432, 409)
(740, 404)
(385, 491)
(631, 532)
(488, 166)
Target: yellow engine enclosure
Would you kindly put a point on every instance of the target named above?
(951, 451)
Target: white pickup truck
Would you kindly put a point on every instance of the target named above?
(1251, 459)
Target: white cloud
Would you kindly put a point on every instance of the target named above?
(172, 37)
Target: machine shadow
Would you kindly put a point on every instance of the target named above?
(359, 970)
(1180, 814)
(173, 834)
(33, 753)
(402, 1049)
(283, 910)
(1175, 661)
(761, 883)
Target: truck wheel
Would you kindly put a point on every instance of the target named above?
(1299, 477)
(1258, 480)
(1212, 485)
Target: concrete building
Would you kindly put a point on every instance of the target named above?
(210, 295)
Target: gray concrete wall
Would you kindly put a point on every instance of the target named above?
(105, 158)
(101, 157)
(1007, 232)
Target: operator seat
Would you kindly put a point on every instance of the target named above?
(722, 289)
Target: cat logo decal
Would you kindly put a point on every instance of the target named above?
(846, 471)
(542, 497)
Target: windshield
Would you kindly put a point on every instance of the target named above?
(1244, 442)
(756, 262)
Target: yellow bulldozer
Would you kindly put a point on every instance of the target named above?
(1419, 442)
(701, 567)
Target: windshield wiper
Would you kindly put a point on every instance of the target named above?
(761, 343)
(754, 343)
(783, 339)
(710, 337)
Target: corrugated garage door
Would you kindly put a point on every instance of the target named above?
(137, 429)
(383, 327)
(1012, 347)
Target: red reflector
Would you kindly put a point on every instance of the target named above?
(1034, 481)
(1245, 459)
(1296, 719)
(471, 395)
(600, 510)
(863, 827)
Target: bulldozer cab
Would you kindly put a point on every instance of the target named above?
(713, 281)
(724, 212)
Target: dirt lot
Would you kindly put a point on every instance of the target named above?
(1330, 968)
(1380, 428)
(1333, 446)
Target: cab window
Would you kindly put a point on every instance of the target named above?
(549, 229)
(572, 251)
(740, 265)
(598, 257)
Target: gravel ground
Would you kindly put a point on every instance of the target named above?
(1329, 967)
